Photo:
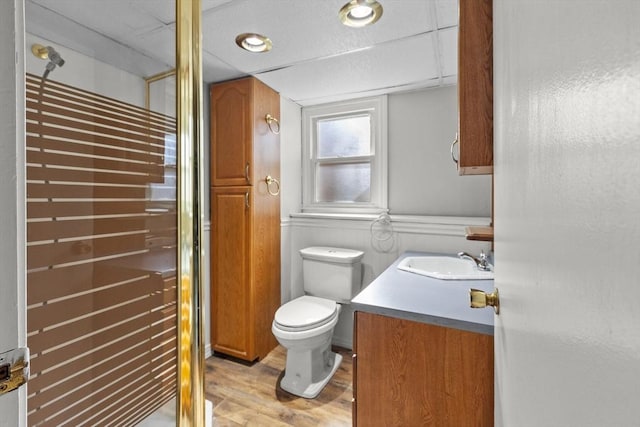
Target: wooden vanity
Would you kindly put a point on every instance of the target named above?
(422, 357)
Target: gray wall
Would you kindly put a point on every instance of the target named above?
(422, 177)
(429, 202)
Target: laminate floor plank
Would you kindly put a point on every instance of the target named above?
(250, 395)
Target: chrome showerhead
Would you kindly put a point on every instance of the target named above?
(55, 60)
(54, 56)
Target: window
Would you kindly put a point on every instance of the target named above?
(345, 157)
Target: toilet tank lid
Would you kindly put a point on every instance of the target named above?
(338, 255)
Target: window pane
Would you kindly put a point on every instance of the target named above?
(349, 182)
(344, 137)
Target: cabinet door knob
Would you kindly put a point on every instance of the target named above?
(481, 299)
(453, 157)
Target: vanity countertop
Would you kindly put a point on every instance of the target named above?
(405, 295)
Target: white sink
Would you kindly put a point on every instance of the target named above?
(444, 267)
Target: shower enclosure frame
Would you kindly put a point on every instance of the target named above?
(190, 400)
(190, 363)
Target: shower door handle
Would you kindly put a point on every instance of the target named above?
(14, 369)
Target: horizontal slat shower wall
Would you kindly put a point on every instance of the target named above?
(101, 258)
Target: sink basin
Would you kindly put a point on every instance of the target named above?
(444, 267)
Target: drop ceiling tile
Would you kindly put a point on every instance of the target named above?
(215, 70)
(448, 48)
(165, 10)
(207, 5)
(390, 66)
(63, 31)
(159, 43)
(447, 13)
(114, 18)
(302, 30)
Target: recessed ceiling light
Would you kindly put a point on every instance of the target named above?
(254, 42)
(359, 13)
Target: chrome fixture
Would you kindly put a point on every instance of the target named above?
(481, 262)
(360, 13)
(253, 42)
(49, 53)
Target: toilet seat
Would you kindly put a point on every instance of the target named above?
(305, 313)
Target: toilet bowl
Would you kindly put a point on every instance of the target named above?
(304, 326)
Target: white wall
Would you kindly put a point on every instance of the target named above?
(291, 184)
(429, 203)
(12, 190)
(86, 73)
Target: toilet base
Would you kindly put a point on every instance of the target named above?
(294, 384)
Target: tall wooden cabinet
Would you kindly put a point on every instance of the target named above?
(408, 373)
(245, 218)
(475, 87)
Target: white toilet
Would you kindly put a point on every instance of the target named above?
(304, 326)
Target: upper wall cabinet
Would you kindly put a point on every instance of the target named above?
(244, 128)
(475, 88)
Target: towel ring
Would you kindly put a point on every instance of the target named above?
(269, 180)
(381, 228)
(270, 122)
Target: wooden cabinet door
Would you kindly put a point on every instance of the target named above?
(475, 87)
(414, 374)
(266, 144)
(231, 133)
(231, 325)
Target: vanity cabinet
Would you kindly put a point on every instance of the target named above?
(408, 373)
(475, 87)
(245, 218)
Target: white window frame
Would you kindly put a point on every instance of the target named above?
(376, 108)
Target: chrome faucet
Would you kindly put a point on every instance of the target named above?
(481, 262)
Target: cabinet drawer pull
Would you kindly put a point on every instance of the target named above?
(273, 123)
(246, 199)
(453, 157)
(246, 173)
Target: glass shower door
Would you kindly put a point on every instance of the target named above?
(101, 216)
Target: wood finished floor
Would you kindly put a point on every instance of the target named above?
(250, 395)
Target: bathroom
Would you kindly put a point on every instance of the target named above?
(429, 203)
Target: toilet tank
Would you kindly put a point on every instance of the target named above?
(332, 273)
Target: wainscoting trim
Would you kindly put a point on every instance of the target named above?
(431, 225)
